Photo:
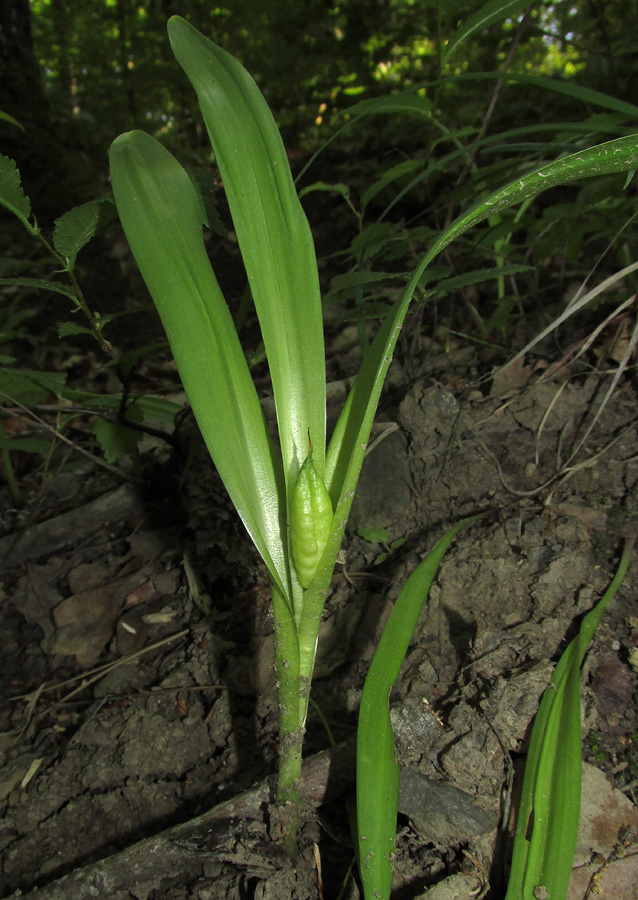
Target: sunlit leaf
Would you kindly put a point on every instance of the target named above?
(161, 215)
(76, 227)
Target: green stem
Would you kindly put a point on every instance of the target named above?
(92, 319)
(291, 729)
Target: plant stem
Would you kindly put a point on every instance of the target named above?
(291, 730)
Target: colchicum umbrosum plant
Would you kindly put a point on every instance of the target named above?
(293, 494)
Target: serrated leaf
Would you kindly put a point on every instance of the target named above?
(76, 227)
(116, 440)
(205, 185)
(68, 329)
(367, 310)
(338, 188)
(11, 194)
(41, 284)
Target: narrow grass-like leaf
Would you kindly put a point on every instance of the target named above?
(491, 12)
(160, 213)
(5, 117)
(350, 437)
(569, 88)
(377, 768)
(547, 826)
(26, 445)
(480, 276)
(274, 238)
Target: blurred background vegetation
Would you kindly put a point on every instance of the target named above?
(527, 84)
(76, 73)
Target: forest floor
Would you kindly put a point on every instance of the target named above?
(138, 718)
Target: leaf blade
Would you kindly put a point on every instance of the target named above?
(550, 801)
(377, 768)
(161, 216)
(274, 238)
(11, 194)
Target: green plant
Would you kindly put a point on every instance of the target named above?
(547, 826)
(161, 216)
(377, 767)
(380, 536)
(550, 804)
(121, 419)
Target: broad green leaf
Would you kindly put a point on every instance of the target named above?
(377, 768)
(41, 284)
(11, 194)
(547, 827)
(160, 212)
(274, 238)
(76, 227)
(491, 12)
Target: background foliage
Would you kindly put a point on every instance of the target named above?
(107, 66)
(75, 73)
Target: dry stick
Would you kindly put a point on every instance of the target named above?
(564, 473)
(31, 418)
(95, 674)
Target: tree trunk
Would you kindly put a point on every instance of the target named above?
(52, 176)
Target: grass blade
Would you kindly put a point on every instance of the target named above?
(274, 238)
(547, 826)
(491, 12)
(161, 216)
(377, 768)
